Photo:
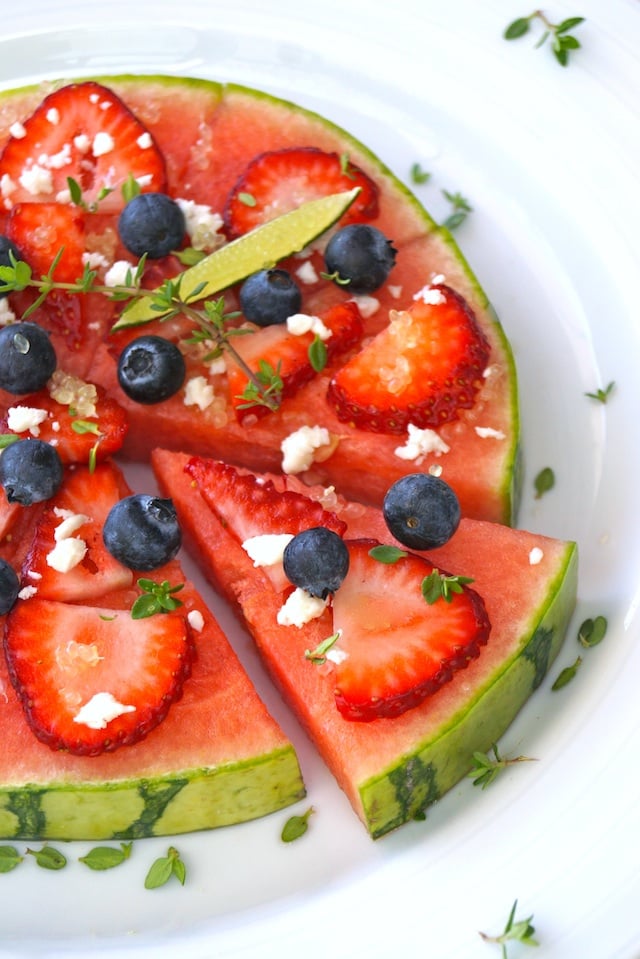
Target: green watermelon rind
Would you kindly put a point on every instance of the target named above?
(403, 791)
(160, 805)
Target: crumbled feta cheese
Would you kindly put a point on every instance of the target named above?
(437, 279)
(37, 180)
(94, 97)
(395, 291)
(23, 418)
(71, 522)
(198, 392)
(7, 315)
(82, 143)
(63, 196)
(95, 260)
(53, 116)
(202, 224)
(430, 296)
(56, 161)
(195, 620)
(299, 447)
(34, 574)
(116, 275)
(144, 141)
(17, 130)
(218, 366)
(307, 273)
(368, 305)
(103, 143)
(66, 554)
(421, 442)
(301, 323)
(7, 185)
(487, 432)
(267, 549)
(300, 608)
(335, 655)
(535, 556)
(100, 710)
(144, 179)
(27, 592)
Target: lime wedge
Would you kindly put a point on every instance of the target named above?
(260, 249)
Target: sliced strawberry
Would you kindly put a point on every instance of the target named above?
(89, 497)
(288, 353)
(423, 368)
(394, 648)
(281, 180)
(78, 437)
(252, 506)
(44, 231)
(61, 655)
(84, 132)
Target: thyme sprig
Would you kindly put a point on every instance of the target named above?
(264, 387)
(515, 930)
(562, 42)
(486, 768)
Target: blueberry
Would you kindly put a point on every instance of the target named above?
(27, 358)
(360, 254)
(151, 223)
(421, 511)
(30, 471)
(7, 247)
(270, 296)
(9, 586)
(151, 369)
(142, 531)
(316, 560)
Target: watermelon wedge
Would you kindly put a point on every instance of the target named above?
(217, 757)
(201, 127)
(391, 769)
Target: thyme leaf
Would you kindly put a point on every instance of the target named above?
(485, 768)
(562, 42)
(163, 868)
(155, 598)
(439, 585)
(296, 826)
(515, 930)
(602, 395)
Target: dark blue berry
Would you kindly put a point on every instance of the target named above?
(30, 471)
(7, 247)
(270, 296)
(27, 358)
(142, 531)
(9, 586)
(151, 223)
(151, 369)
(361, 254)
(316, 560)
(421, 511)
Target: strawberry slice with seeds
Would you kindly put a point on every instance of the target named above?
(67, 560)
(44, 232)
(290, 354)
(78, 438)
(395, 649)
(281, 180)
(82, 131)
(252, 506)
(422, 369)
(91, 678)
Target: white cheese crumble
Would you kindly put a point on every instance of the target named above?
(82, 143)
(17, 130)
(430, 296)
(100, 710)
(300, 608)
(535, 556)
(421, 442)
(36, 180)
(299, 447)
(198, 392)
(267, 549)
(66, 554)
(487, 432)
(395, 291)
(56, 161)
(116, 275)
(23, 418)
(301, 323)
(437, 279)
(95, 260)
(103, 143)
(202, 224)
(307, 273)
(7, 315)
(27, 592)
(144, 141)
(368, 305)
(195, 620)
(71, 522)
(218, 366)
(53, 116)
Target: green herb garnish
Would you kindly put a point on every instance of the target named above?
(107, 857)
(164, 868)
(592, 632)
(438, 585)
(602, 395)
(296, 826)
(562, 42)
(9, 858)
(317, 353)
(460, 210)
(567, 674)
(419, 175)
(156, 598)
(516, 930)
(248, 199)
(318, 656)
(387, 554)
(486, 769)
(544, 481)
(48, 857)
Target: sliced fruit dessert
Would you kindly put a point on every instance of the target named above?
(425, 379)
(124, 711)
(399, 663)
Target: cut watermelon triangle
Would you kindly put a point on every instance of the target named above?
(392, 769)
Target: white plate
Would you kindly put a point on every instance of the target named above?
(548, 158)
